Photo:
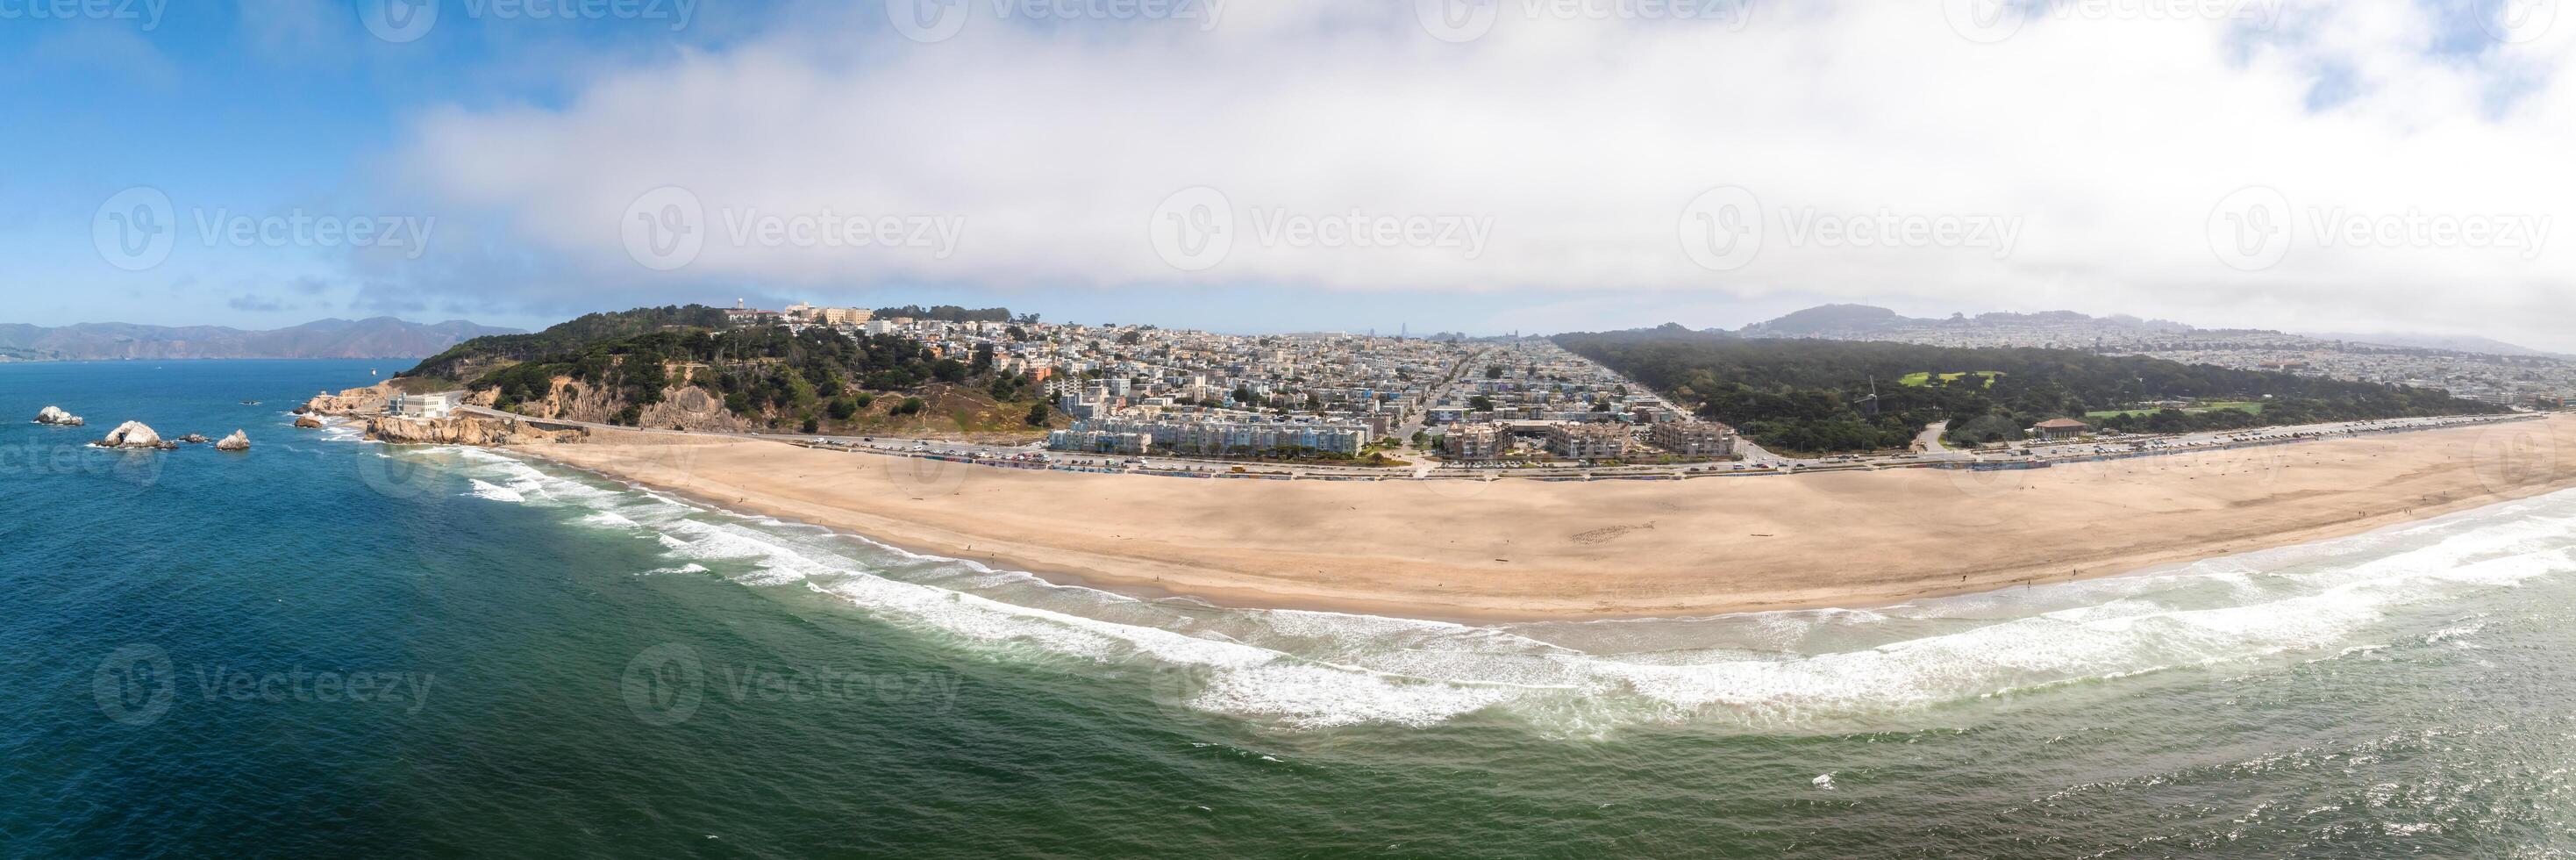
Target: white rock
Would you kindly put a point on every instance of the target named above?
(56, 415)
(235, 442)
(132, 434)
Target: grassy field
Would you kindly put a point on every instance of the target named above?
(1918, 380)
(2238, 405)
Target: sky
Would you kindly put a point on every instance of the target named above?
(1484, 166)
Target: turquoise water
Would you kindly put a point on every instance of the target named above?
(559, 665)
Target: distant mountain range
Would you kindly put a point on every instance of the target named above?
(1865, 322)
(2448, 343)
(1852, 319)
(381, 337)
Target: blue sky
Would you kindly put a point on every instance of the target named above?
(1370, 164)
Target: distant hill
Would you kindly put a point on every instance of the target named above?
(380, 337)
(2446, 343)
(1847, 321)
(689, 367)
(1821, 395)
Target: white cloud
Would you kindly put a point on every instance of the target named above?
(2104, 134)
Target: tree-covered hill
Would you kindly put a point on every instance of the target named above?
(1816, 395)
(764, 375)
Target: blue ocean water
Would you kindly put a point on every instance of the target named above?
(332, 647)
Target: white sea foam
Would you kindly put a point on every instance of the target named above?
(1780, 669)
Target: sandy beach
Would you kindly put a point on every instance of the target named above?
(1521, 549)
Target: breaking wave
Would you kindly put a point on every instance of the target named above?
(1775, 671)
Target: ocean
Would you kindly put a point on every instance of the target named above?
(330, 647)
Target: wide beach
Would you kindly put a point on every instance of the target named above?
(1528, 550)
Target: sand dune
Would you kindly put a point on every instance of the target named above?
(1518, 549)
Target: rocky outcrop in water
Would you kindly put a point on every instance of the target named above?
(194, 439)
(370, 400)
(308, 422)
(235, 442)
(133, 434)
(56, 416)
(460, 430)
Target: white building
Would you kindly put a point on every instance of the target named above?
(1588, 441)
(1695, 438)
(431, 405)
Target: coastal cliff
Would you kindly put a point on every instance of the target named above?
(369, 400)
(462, 430)
(684, 407)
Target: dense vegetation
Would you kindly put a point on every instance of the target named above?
(1817, 395)
(470, 358)
(758, 371)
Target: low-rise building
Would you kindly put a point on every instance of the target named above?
(1100, 442)
(1475, 442)
(1588, 441)
(431, 405)
(1694, 438)
(2061, 428)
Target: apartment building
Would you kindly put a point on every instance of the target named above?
(1694, 438)
(1588, 441)
(1476, 442)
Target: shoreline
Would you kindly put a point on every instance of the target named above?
(1851, 540)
